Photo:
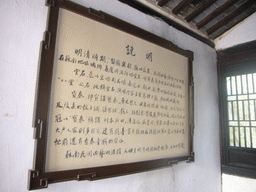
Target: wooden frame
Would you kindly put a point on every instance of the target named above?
(82, 42)
(235, 61)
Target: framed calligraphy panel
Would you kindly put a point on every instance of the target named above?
(111, 99)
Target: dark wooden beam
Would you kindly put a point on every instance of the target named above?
(145, 9)
(237, 52)
(215, 13)
(219, 34)
(181, 6)
(161, 3)
(231, 16)
(199, 10)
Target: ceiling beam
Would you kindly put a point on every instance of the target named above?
(215, 13)
(161, 3)
(151, 11)
(181, 6)
(231, 16)
(199, 10)
(217, 35)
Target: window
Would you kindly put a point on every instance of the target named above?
(241, 103)
(237, 87)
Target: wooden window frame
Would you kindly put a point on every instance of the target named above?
(233, 61)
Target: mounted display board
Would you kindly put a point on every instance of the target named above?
(112, 99)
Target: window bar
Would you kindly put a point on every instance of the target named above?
(239, 136)
(227, 85)
(234, 137)
(249, 115)
(253, 79)
(252, 113)
(239, 82)
(250, 76)
(254, 108)
(231, 133)
(230, 111)
(232, 106)
(242, 92)
(242, 137)
(234, 85)
(243, 109)
(242, 85)
(231, 91)
(245, 139)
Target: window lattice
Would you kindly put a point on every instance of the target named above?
(241, 98)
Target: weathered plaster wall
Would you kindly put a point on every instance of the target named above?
(21, 30)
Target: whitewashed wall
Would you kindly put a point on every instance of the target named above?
(21, 30)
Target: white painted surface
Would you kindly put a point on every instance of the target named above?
(21, 30)
(232, 183)
(243, 32)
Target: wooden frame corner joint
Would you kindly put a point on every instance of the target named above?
(87, 176)
(47, 39)
(35, 182)
(191, 158)
(38, 129)
(96, 13)
(171, 163)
